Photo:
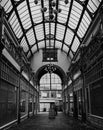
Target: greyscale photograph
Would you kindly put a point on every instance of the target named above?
(51, 64)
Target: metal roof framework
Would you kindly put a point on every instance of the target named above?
(34, 30)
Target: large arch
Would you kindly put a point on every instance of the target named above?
(59, 71)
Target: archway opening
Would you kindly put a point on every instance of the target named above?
(50, 91)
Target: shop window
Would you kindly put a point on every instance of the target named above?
(8, 100)
(80, 102)
(96, 96)
(71, 102)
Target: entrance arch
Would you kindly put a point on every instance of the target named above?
(51, 79)
(59, 71)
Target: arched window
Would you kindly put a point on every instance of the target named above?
(50, 82)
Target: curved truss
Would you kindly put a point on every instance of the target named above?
(69, 27)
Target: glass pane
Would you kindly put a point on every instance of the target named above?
(71, 54)
(50, 43)
(8, 102)
(46, 4)
(29, 54)
(55, 82)
(39, 31)
(75, 14)
(24, 45)
(34, 48)
(47, 28)
(84, 24)
(36, 11)
(62, 17)
(58, 44)
(75, 44)
(7, 5)
(69, 36)
(65, 48)
(15, 25)
(41, 44)
(60, 32)
(30, 36)
(52, 28)
(24, 15)
(92, 5)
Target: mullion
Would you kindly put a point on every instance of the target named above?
(68, 18)
(28, 5)
(42, 5)
(57, 3)
(79, 24)
(19, 20)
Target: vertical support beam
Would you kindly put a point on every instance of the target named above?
(83, 86)
(68, 103)
(75, 111)
(1, 30)
(83, 99)
(28, 96)
(50, 80)
(26, 103)
(33, 104)
(36, 103)
(18, 99)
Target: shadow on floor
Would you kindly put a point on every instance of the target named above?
(42, 122)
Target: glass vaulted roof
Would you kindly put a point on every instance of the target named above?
(60, 24)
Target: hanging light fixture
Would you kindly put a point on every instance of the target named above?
(53, 4)
(43, 9)
(59, 10)
(52, 10)
(66, 1)
(36, 2)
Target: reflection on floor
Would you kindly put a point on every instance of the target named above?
(42, 122)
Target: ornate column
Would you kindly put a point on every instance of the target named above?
(18, 99)
(19, 50)
(31, 75)
(81, 66)
(75, 111)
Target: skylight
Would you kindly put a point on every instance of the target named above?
(35, 30)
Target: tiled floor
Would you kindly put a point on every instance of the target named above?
(42, 122)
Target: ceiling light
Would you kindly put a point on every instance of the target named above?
(66, 1)
(51, 16)
(59, 10)
(44, 9)
(53, 4)
(36, 2)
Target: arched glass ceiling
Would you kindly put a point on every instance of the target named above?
(34, 30)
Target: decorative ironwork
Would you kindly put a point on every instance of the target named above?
(50, 68)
